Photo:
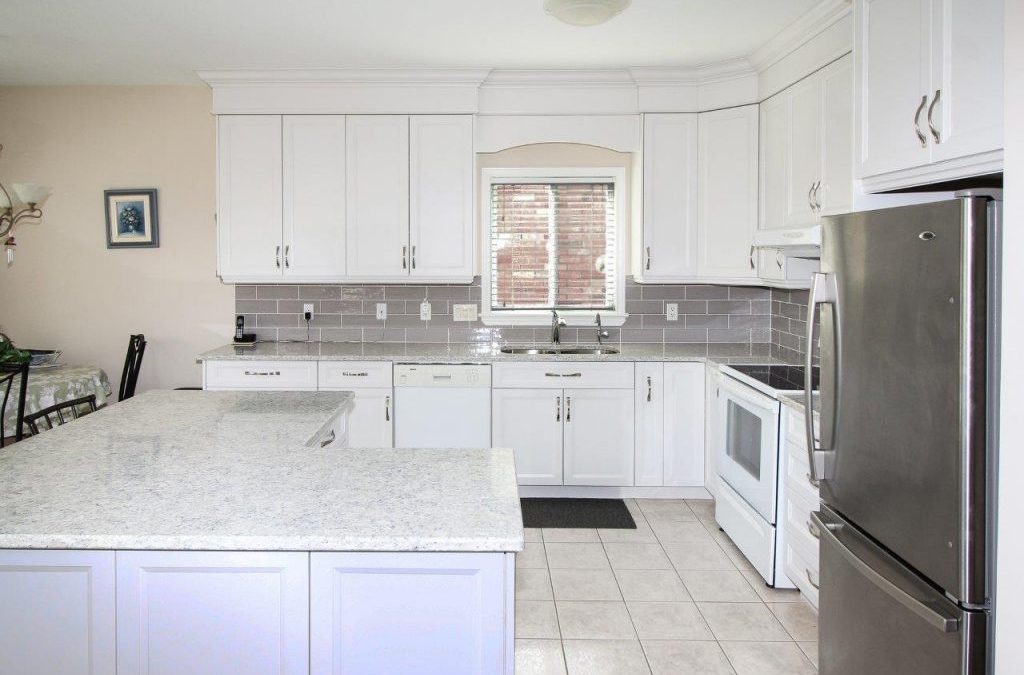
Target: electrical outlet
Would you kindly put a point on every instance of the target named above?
(464, 312)
(425, 311)
(307, 310)
(671, 311)
(382, 311)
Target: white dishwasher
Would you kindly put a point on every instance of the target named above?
(442, 405)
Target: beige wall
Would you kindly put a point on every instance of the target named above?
(66, 290)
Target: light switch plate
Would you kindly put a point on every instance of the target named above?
(671, 311)
(382, 311)
(464, 312)
(425, 311)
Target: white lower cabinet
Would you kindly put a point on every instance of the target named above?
(209, 613)
(649, 424)
(415, 612)
(57, 612)
(530, 422)
(371, 422)
(260, 375)
(800, 560)
(598, 437)
(669, 425)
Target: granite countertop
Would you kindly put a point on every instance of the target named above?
(796, 401)
(189, 470)
(474, 353)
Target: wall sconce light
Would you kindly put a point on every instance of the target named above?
(32, 196)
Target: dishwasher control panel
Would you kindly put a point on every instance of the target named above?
(442, 375)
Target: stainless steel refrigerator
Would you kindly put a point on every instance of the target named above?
(907, 312)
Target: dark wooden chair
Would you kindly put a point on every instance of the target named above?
(132, 365)
(9, 374)
(61, 413)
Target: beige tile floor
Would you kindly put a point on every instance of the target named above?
(674, 596)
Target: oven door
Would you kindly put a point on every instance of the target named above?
(748, 444)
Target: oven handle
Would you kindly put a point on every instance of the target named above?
(823, 291)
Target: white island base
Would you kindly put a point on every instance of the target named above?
(257, 613)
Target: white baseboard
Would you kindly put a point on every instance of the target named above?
(599, 492)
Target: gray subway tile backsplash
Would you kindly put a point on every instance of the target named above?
(713, 320)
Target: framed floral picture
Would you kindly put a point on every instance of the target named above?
(132, 219)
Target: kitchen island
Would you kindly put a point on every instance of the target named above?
(215, 532)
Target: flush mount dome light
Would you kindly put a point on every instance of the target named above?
(584, 12)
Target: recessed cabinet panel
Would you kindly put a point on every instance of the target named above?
(441, 196)
(803, 182)
(249, 196)
(836, 191)
(775, 172)
(598, 437)
(649, 417)
(377, 195)
(314, 196)
(530, 422)
(670, 196)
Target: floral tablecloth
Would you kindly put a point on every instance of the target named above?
(47, 386)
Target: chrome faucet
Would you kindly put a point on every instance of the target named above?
(601, 333)
(556, 325)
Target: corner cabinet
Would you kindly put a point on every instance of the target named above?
(929, 90)
(699, 196)
(333, 198)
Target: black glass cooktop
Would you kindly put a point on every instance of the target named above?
(783, 378)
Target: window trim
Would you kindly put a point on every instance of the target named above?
(527, 317)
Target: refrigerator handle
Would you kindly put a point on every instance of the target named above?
(823, 291)
(946, 624)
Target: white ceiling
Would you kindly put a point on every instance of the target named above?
(165, 41)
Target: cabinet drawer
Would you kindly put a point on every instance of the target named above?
(794, 423)
(803, 573)
(558, 375)
(269, 375)
(796, 517)
(349, 374)
(798, 472)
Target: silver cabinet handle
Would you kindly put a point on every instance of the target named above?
(752, 249)
(277, 257)
(403, 258)
(346, 374)
(563, 374)
(327, 441)
(931, 111)
(286, 250)
(815, 192)
(387, 408)
(558, 408)
(810, 199)
(779, 258)
(946, 624)
(649, 387)
(648, 264)
(414, 256)
(568, 408)
(917, 122)
(815, 532)
(811, 579)
(263, 373)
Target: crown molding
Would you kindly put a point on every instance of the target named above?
(796, 34)
(711, 73)
(617, 77)
(346, 76)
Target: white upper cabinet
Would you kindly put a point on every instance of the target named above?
(805, 143)
(727, 182)
(928, 90)
(835, 192)
(670, 197)
(249, 197)
(314, 196)
(441, 165)
(377, 195)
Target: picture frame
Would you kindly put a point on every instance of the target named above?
(131, 218)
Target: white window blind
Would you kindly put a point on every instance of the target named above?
(553, 245)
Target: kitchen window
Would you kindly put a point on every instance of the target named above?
(554, 242)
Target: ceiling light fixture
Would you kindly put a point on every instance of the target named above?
(585, 12)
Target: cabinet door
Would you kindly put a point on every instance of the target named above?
(314, 196)
(249, 197)
(377, 195)
(598, 437)
(836, 192)
(967, 68)
(670, 196)
(208, 613)
(441, 197)
(774, 137)
(728, 194)
(684, 424)
(530, 422)
(892, 75)
(649, 438)
(57, 612)
(371, 421)
(416, 612)
(804, 151)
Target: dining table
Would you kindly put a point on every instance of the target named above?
(48, 385)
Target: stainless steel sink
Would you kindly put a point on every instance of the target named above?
(554, 350)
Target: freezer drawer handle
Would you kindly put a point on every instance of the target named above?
(815, 532)
(944, 623)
